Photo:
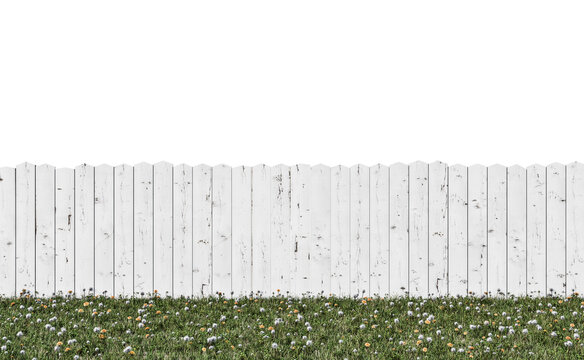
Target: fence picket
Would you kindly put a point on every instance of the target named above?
(497, 234)
(418, 229)
(7, 232)
(221, 230)
(163, 216)
(556, 229)
(124, 231)
(340, 230)
(536, 230)
(477, 230)
(202, 230)
(280, 244)
(575, 228)
(320, 233)
(458, 231)
(517, 235)
(241, 228)
(359, 260)
(84, 230)
(180, 249)
(398, 230)
(143, 230)
(300, 228)
(104, 230)
(379, 231)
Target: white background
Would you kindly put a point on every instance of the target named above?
(248, 82)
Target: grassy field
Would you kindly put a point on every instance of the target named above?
(282, 327)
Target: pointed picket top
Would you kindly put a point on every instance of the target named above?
(555, 169)
(143, 165)
(379, 166)
(575, 167)
(340, 167)
(458, 166)
(103, 167)
(83, 168)
(320, 167)
(123, 166)
(418, 163)
(477, 166)
(221, 166)
(359, 168)
(202, 167)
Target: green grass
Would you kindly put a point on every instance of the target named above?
(247, 328)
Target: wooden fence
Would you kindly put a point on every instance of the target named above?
(419, 230)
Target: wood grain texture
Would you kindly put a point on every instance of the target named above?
(340, 230)
(536, 230)
(143, 230)
(398, 230)
(163, 218)
(65, 231)
(497, 233)
(180, 250)
(379, 229)
(458, 231)
(202, 230)
(124, 231)
(420, 230)
(241, 230)
(517, 233)
(359, 255)
(8, 232)
(418, 217)
(104, 230)
(556, 229)
(438, 210)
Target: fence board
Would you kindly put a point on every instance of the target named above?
(45, 230)
(25, 228)
(497, 234)
(556, 229)
(379, 232)
(180, 249)
(300, 228)
(65, 231)
(477, 230)
(241, 228)
(458, 230)
(418, 229)
(84, 230)
(398, 230)
(163, 216)
(104, 230)
(202, 230)
(124, 231)
(221, 230)
(359, 260)
(438, 229)
(280, 243)
(320, 234)
(7, 232)
(575, 228)
(143, 229)
(536, 230)
(340, 230)
(261, 229)
(517, 235)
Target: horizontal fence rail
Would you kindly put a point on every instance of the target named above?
(401, 230)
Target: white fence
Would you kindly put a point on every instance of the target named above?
(422, 230)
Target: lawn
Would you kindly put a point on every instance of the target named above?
(290, 328)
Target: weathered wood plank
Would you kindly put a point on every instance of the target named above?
(7, 232)
(458, 231)
(143, 230)
(536, 230)
(202, 230)
(65, 231)
(241, 228)
(418, 217)
(340, 230)
(280, 243)
(320, 234)
(164, 215)
(104, 230)
(575, 228)
(261, 230)
(438, 229)
(398, 230)
(359, 260)
(222, 230)
(181, 248)
(477, 230)
(84, 230)
(379, 232)
(124, 231)
(517, 234)
(497, 234)
(556, 229)
(45, 230)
